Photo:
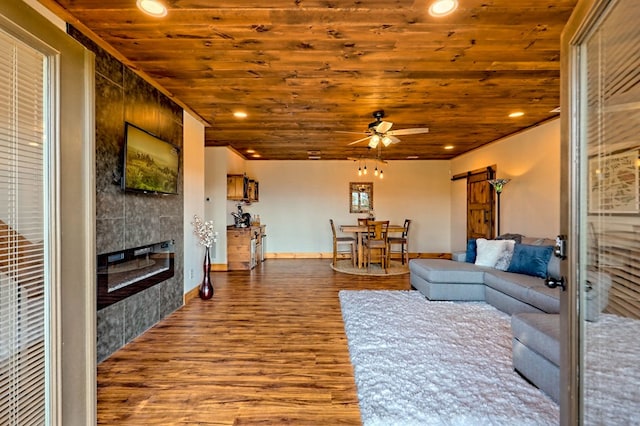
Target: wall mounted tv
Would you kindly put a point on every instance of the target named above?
(151, 165)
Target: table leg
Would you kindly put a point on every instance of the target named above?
(360, 257)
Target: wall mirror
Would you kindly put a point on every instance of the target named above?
(360, 197)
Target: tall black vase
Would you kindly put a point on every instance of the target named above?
(206, 287)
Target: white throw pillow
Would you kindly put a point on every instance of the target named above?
(494, 253)
(504, 260)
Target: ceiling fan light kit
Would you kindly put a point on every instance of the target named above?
(374, 141)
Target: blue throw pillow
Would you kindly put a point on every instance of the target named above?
(530, 260)
(471, 251)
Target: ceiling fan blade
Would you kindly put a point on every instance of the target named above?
(359, 140)
(383, 127)
(414, 131)
(351, 133)
(393, 138)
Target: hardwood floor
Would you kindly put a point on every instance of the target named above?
(269, 348)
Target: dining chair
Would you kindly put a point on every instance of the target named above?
(402, 241)
(362, 221)
(377, 241)
(342, 241)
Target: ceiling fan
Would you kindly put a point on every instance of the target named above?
(380, 131)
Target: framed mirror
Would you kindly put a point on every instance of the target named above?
(360, 197)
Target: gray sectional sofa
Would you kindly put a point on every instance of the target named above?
(534, 307)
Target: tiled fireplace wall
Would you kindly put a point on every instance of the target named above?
(126, 220)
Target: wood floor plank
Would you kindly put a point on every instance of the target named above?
(268, 349)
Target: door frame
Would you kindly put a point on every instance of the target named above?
(71, 311)
(572, 198)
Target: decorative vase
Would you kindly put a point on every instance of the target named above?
(206, 287)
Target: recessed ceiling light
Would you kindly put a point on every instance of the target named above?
(442, 7)
(556, 110)
(448, 147)
(250, 151)
(256, 155)
(240, 114)
(152, 7)
(412, 157)
(516, 114)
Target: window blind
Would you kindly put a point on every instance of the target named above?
(613, 149)
(22, 233)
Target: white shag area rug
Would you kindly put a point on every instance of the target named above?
(419, 362)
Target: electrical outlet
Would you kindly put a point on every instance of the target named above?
(190, 274)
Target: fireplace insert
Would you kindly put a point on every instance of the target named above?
(127, 272)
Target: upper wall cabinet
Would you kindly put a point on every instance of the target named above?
(236, 187)
(252, 191)
(241, 188)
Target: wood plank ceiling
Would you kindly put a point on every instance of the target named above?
(305, 71)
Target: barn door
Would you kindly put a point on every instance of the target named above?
(480, 211)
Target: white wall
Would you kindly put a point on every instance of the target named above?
(297, 199)
(217, 161)
(193, 175)
(530, 203)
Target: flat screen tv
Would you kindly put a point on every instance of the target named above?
(151, 165)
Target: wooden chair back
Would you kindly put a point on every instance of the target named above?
(378, 230)
(333, 229)
(405, 232)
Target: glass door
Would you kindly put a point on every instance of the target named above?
(602, 132)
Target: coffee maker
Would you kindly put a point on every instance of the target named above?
(242, 220)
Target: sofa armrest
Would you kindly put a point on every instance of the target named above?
(459, 256)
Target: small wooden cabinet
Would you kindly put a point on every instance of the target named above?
(244, 247)
(241, 188)
(252, 191)
(237, 186)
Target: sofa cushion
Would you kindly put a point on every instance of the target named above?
(553, 267)
(539, 332)
(528, 289)
(515, 237)
(494, 253)
(515, 285)
(447, 271)
(537, 241)
(471, 251)
(530, 260)
(544, 298)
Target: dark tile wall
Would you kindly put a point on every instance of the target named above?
(126, 220)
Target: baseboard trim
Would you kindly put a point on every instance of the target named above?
(191, 294)
(219, 267)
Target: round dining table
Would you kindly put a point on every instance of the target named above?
(360, 230)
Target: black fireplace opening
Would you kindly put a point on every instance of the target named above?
(124, 273)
